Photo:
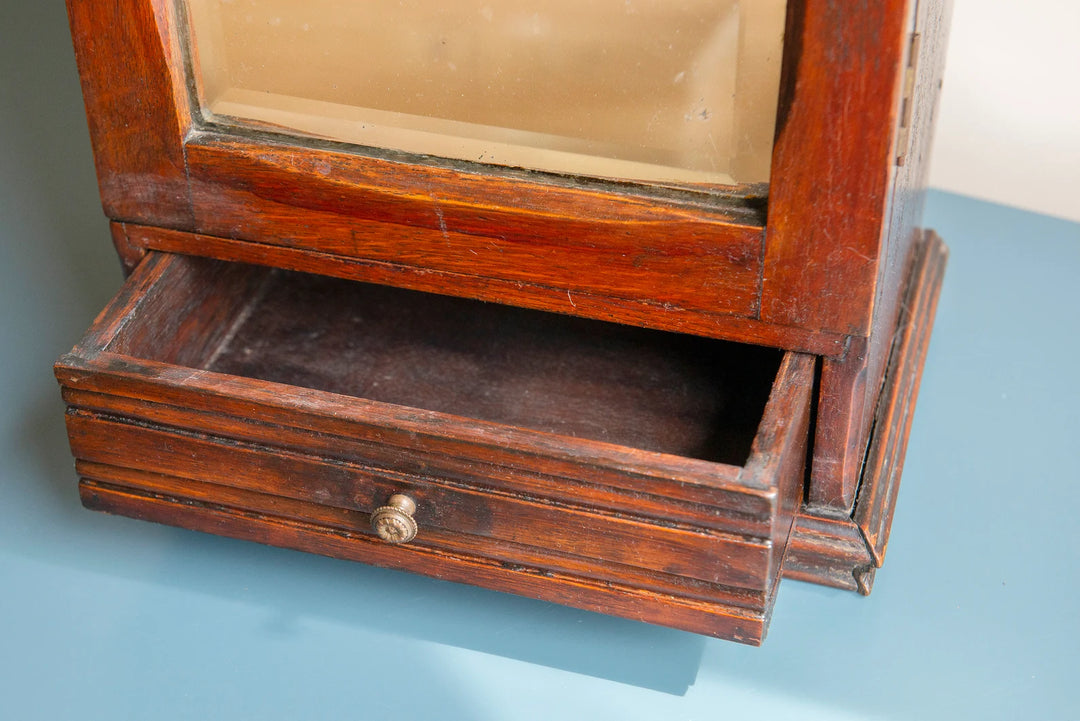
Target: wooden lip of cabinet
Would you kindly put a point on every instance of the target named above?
(831, 269)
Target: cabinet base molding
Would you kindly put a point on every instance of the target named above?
(844, 551)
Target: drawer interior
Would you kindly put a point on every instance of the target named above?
(651, 390)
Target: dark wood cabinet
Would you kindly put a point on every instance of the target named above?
(648, 396)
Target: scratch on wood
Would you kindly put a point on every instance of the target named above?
(442, 222)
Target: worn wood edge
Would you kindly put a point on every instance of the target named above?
(643, 268)
(136, 107)
(320, 411)
(781, 455)
(118, 311)
(476, 228)
(587, 305)
(896, 409)
(522, 192)
(840, 428)
(785, 413)
(829, 552)
(171, 19)
(454, 470)
(844, 551)
(842, 79)
(743, 561)
(738, 200)
(130, 254)
(851, 387)
(92, 367)
(713, 619)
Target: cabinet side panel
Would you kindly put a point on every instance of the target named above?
(851, 386)
(136, 105)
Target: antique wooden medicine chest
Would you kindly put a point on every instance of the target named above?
(619, 304)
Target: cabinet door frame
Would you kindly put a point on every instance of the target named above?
(799, 271)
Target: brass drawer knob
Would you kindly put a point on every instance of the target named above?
(394, 522)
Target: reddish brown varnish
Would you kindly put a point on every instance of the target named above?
(639, 520)
(168, 398)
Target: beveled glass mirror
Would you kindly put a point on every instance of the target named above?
(664, 91)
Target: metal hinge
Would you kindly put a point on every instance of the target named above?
(903, 139)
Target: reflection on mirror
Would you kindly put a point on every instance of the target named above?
(667, 91)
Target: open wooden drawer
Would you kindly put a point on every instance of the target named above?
(634, 472)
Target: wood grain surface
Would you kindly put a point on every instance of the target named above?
(845, 549)
(137, 106)
(165, 400)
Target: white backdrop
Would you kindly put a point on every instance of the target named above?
(1009, 122)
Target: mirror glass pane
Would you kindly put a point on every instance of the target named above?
(668, 91)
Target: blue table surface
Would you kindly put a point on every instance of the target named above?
(973, 616)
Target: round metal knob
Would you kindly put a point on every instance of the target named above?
(394, 522)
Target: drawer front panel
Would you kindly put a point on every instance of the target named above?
(531, 559)
(629, 599)
(694, 553)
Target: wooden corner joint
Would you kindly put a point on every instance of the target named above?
(129, 251)
(845, 551)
